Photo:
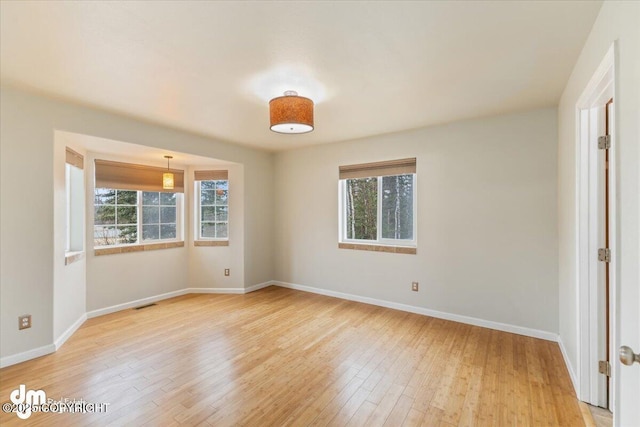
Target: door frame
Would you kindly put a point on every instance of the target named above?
(591, 385)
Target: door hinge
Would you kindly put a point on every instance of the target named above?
(604, 254)
(604, 142)
(604, 367)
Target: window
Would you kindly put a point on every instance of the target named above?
(117, 220)
(136, 210)
(212, 210)
(74, 189)
(378, 204)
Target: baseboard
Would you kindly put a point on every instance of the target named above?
(67, 334)
(229, 290)
(259, 286)
(136, 303)
(27, 355)
(156, 298)
(567, 362)
(214, 290)
(520, 330)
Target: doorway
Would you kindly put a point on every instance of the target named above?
(596, 237)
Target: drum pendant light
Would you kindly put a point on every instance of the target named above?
(291, 113)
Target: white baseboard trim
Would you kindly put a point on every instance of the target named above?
(136, 303)
(259, 286)
(229, 290)
(214, 291)
(70, 331)
(520, 330)
(567, 362)
(27, 355)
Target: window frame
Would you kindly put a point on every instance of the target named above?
(67, 188)
(139, 224)
(380, 241)
(198, 213)
(75, 206)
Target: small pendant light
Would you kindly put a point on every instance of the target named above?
(167, 177)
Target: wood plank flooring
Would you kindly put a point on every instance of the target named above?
(278, 357)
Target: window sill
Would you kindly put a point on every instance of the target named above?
(71, 257)
(210, 243)
(379, 248)
(137, 248)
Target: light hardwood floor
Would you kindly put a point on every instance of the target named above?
(282, 357)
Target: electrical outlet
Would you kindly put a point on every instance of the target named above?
(414, 286)
(24, 321)
(226, 272)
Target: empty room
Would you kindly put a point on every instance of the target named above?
(341, 213)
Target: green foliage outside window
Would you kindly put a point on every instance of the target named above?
(395, 210)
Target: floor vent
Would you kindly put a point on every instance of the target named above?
(145, 306)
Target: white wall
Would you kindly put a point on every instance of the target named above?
(618, 21)
(27, 244)
(69, 281)
(487, 239)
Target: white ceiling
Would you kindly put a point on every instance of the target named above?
(372, 67)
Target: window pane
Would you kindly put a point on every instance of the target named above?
(361, 208)
(168, 199)
(208, 213)
(221, 229)
(104, 236)
(150, 215)
(168, 231)
(168, 214)
(208, 229)
(105, 196)
(127, 215)
(105, 215)
(221, 213)
(150, 198)
(397, 207)
(222, 197)
(207, 197)
(150, 232)
(207, 185)
(127, 234)
(127, 197)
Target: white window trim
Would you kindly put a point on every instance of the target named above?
(140, 242)
(67, 184)
(342, 222)
(198, 216)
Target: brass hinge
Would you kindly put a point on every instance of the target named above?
(604, 142)
(604, 367)
(604, 254)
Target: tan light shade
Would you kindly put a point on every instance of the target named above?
(167, 181)
(291, 113)
(167, 177)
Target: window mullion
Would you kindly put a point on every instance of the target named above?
(379, 211)
(199, 210)
(139, 216)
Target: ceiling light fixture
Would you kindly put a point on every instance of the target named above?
(291, 113)
(167, 177)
